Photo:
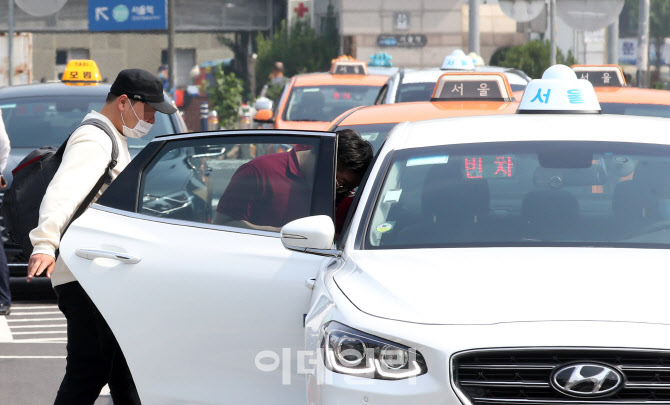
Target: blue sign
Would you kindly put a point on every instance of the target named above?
(127, 15)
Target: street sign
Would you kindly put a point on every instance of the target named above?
(590, 15)
(127, 15)
(402, 40)
(40, 8)
(522, 10)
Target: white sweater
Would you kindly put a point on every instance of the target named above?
(86, 158)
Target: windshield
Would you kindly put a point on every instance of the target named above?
(373, 133)
(325, 103)
(649, 110)
(525, 194)
(33, 122)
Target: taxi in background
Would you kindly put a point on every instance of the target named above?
(44, 114)
(417, 85)
(615, 98)
(455, 94)
(310, 101)
(507, 259)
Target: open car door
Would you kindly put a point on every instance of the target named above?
(206, 312)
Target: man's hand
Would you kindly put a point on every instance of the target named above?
(38, 263)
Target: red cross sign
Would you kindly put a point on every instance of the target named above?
(301, 10)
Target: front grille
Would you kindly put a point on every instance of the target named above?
(522, 376)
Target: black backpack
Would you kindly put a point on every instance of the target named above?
(21, 203)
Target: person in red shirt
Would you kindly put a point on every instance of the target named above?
(268, 192)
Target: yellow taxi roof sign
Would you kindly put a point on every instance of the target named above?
(346, 65)
(81, 72)
(601, 75)
(472, 86)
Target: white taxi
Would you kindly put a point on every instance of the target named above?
(510, 259)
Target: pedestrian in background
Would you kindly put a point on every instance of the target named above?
(5, 294)
(93, 354)
(277, 77)
(163, 75)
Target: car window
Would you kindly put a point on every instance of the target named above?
(650, 110)
(325, 103)
(414, 92)
(32, 122)
(524, 193)
(373, 133)
(223, 181)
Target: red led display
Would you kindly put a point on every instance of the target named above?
(488, 167)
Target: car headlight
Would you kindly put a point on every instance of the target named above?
(350, 351)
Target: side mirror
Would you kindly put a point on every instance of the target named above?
(310, 235)
(264, 116)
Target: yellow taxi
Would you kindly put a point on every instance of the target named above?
(311, 101)
(615, 98)
(456, 94)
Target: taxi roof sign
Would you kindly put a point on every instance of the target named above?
(601, 75)
(457, 60)
(81, 72)
(559, 91)
(346, 65)
(472, 86)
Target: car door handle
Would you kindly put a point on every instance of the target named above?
(92, 254)
(310, 282)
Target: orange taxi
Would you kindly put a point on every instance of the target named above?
(310, 101)
(615, 98)
(455, 95)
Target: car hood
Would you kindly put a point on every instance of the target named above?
(496, 285)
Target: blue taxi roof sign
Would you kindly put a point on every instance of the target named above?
(559, 92)
(472, 86)
(458, 60)
(81, 72)
(601, 75)
(346, 65)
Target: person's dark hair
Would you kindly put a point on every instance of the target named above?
(111, 97)
(353, 152)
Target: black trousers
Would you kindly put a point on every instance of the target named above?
(5, 294)
(94, 357)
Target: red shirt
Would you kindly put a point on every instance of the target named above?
(269, 190)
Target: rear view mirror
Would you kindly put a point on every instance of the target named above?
(264, 116)
(565, 158)
(310, 235)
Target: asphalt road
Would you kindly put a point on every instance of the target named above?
(32, 346)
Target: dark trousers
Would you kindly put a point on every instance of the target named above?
(5, 294)
(94, 358)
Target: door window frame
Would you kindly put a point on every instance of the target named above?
(124, 195)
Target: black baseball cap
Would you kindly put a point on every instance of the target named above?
(143, 86)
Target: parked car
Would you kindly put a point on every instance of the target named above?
(456, 94)
(310, 101)
(44, 114)
(616, 98)
(409, 85)
(483, 264)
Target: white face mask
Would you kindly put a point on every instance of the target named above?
(142, 128)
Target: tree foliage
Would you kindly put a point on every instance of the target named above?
(300, 48)
(533, 58)
(659, 15)
(225, 97)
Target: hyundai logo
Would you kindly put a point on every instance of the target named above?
(587, 379)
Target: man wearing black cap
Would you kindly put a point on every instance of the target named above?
(93, 355)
